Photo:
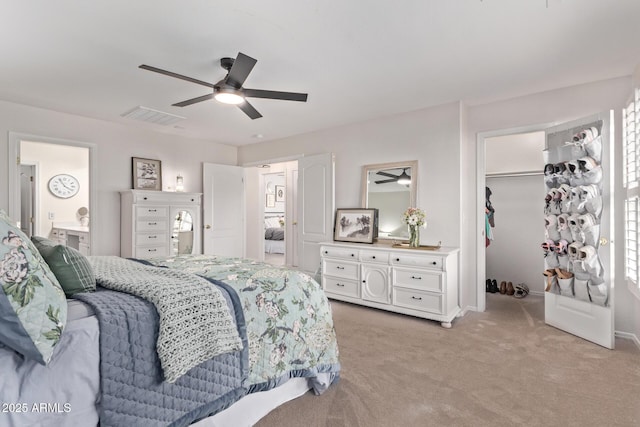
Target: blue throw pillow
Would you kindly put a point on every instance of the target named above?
(33, 307)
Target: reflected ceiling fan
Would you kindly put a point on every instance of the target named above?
(402, 179)
(229, 90)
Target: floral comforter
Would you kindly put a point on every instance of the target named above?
(289, 324)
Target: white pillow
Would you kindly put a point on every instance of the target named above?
(273, 222)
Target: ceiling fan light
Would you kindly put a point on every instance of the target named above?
(229, 96)
(404, 179)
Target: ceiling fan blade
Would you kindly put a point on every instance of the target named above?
(387, 174)
(270, 94)
(177, 76)
(193, 100)
(241, 68)
(249, 110)
(385, 181)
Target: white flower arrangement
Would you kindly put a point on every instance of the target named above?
(414, 217)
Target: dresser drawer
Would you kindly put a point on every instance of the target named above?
(151, 251)
(417, 300)
(335, 268)
(163, 198)
(418, 261)
(151, 225)
(374, 256)
(418, 279)
(343, 253)
(348, 288)
(150, 238)
(151, 212)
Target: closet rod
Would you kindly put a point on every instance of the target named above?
(513, 174)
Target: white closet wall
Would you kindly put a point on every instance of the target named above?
(515, 255)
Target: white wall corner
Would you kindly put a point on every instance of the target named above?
(467, 309)
(629, 336)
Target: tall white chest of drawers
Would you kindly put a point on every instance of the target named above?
(409, 281)
(152, 223)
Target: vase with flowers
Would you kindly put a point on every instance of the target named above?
(414, 218)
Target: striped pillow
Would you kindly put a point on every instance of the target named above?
(71, 268)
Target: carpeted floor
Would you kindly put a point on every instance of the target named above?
(503, 367)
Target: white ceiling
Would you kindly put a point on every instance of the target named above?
(357, 59)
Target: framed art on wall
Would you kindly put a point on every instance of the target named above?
(271, 201)
(146, 174)
(279, 193)
(356, 225)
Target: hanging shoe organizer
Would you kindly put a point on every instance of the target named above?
(573, 212)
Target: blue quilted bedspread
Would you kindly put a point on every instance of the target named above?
(289, 324)
(132, 386)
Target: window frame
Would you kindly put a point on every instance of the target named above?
(631, 183)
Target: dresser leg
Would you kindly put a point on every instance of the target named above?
(446, 325)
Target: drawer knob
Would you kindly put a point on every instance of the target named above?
(417, 298)
(193, 200)
(364, 281)
(398, 259)
(352, 255)
(416, 277)
(373, 257)
(326, 252)
(434, 263)
(144, 198)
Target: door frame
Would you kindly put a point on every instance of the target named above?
(35, 196)
(290, 258)
(481, 256)
(15, 138)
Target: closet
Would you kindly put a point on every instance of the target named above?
(514, 176)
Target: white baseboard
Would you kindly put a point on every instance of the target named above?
(466, 310)
(629, 336)
(537, 293)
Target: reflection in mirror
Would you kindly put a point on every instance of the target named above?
(391, 188)
(182, 233)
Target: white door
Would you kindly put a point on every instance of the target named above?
(293, 253)
(27, 199)
(223, 210)
(315, 208)
(587, 308)
(375, 283)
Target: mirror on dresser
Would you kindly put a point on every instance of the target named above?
(391, 188)
(182, 233)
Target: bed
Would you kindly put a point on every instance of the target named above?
(120, 350)
(274, 234)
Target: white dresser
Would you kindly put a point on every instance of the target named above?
(416, 282)
(159, 223)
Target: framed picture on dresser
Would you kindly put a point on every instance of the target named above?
(146, 174)
(356, 225)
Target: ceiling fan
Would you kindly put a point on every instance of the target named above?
(229, 90)
(402, 179)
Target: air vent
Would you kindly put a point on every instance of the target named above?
(150, 115)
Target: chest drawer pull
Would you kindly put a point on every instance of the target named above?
(152, 250)
(153, 210)
(340, 284)
(416, 277)
(153, 223)
(434, 263)
(418, 298)
(339, 268)
(397, 259)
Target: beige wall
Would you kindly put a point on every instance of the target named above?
(115, 145)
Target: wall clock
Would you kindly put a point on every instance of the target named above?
(64, 186)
